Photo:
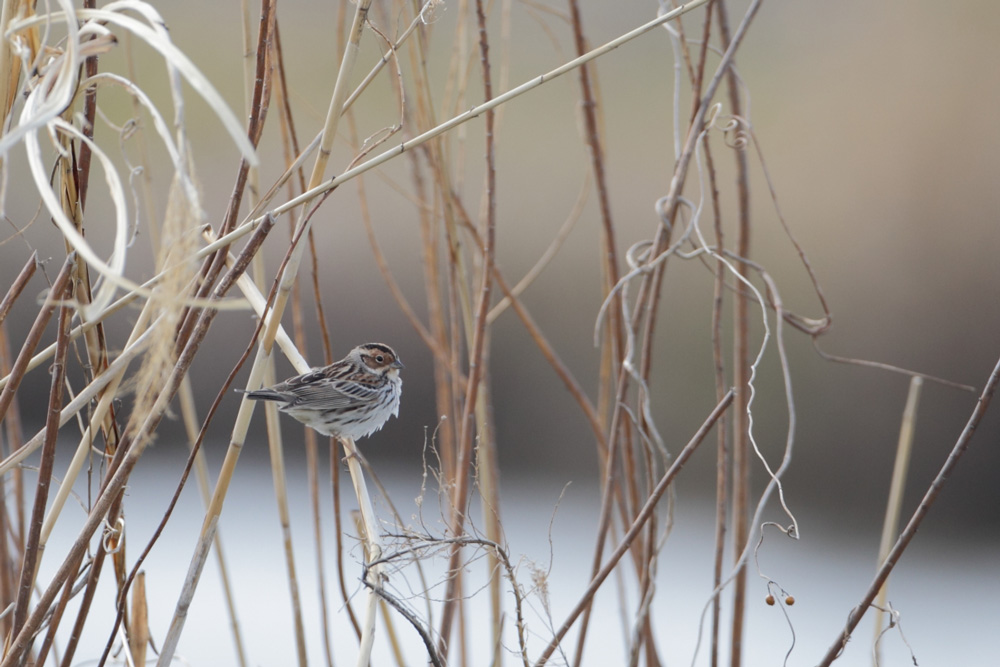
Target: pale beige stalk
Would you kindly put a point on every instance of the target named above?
(894, 506)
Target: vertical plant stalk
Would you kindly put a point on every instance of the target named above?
(189, 415)
(904, 448)
(340, 91)
(741, 449)
(614, 332)
(477, 372)
(722, 471)
(273, 428)
(649, 290)
(609, 263)
(290, 145)
(373, 548)
(89, 113)
(11, 498)
(139, 627)
(29, 561)
(930, 496)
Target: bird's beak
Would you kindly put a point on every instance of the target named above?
(398, 364)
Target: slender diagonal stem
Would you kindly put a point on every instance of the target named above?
(930, 496)
(637, 525)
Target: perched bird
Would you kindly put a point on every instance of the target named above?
(350, 398)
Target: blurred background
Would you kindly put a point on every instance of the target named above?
(876, 122)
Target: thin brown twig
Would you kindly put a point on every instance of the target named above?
(35, 335)
(637, 525)
(18, 285)
(89, 113)
(609, 264)
(476, 353)
(31, 554)
(741, 367)
(722, 471)
(904, 539)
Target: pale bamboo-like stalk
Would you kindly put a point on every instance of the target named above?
(373, 548)
(138, 634)
(190, 418)
(240, 428)
(257, 370)
(335, 112)
(275, 445)
(290, 146)
(894, 506)
(475, 389)
(276, 451)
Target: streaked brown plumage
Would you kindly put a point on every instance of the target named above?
(351, 398)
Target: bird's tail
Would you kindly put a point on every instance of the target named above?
(264, 395)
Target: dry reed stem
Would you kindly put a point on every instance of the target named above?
(190, 419)
(894, 505)
(311, 447)
(722, 470)
(335, 112)
(742, 372)
(273, 428)
(373, 548)
(284, 515)
(290, 146)
(477, 354)
(138, 635)
(609, 260)
(910, 531)
(30, 561)
(637, 526)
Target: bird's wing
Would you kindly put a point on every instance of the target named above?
(318, 390)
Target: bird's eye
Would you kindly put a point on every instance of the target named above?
(380, 359)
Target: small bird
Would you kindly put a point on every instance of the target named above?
(350, 398)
